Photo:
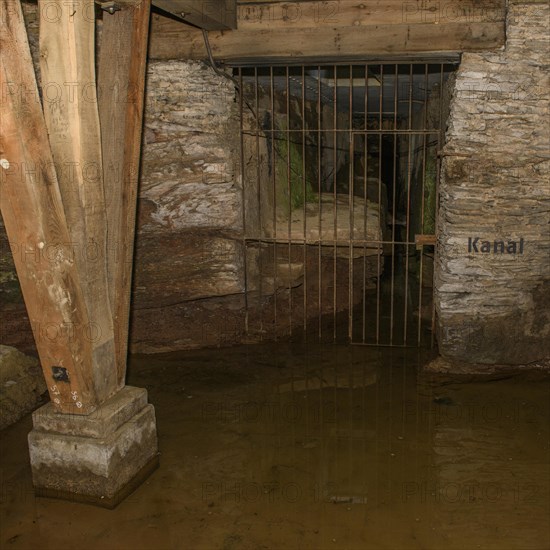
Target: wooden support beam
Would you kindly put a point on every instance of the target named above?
(205, 14)
(121, 82)
(366, 13)
(33, 214)
(67, 63)
(339, 29)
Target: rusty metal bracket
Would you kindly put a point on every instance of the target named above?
(110, 6)
(424, 240)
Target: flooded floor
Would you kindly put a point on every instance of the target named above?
(287, 446)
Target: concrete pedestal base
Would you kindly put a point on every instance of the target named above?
(100, 458)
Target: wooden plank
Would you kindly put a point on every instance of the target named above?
(121, 81)
(170, 40)
(205, 14)
(37, 229)
(352, 13)
(67, 63)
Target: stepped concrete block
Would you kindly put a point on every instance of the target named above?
(100, 458)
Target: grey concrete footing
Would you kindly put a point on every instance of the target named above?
(99, 458)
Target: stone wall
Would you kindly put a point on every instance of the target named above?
(22, 385)
(494, 307)
(189, 257)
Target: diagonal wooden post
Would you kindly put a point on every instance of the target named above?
(32, 209)
(98, 458)
(121, 81)
(67, 63)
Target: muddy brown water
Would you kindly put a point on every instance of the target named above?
(293, 446)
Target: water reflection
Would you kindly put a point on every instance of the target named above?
(287, 446)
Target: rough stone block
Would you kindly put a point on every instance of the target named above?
(21, 385)
(100, 458)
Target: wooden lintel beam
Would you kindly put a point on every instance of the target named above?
(169, 42)
(345, 28)
(205, 14)
(44, 253)
(121, 82)
(365, 13)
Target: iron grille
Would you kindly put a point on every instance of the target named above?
(339, 171)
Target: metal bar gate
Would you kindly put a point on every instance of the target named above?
(339, 172)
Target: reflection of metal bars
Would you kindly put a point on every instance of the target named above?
(339, 167)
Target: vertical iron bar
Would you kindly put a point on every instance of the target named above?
(243, 185)
(274, 158)
(320, 136)
(425, 140)
(351, 147)
(366, 212)
(394, 185)
(380, 106)
(304, 195)
(259, 198)
(440, 141)
(410, 141)
(335, 208)
(289, 176)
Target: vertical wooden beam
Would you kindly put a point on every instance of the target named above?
(67, 63)
(37, 229)
(121, 82)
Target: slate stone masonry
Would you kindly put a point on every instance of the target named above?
(495, 308)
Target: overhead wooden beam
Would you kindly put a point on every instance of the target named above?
(343, 28)
(67, 63)
(205, 14)
(121, 82)
(365, 13)
(32, 209)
